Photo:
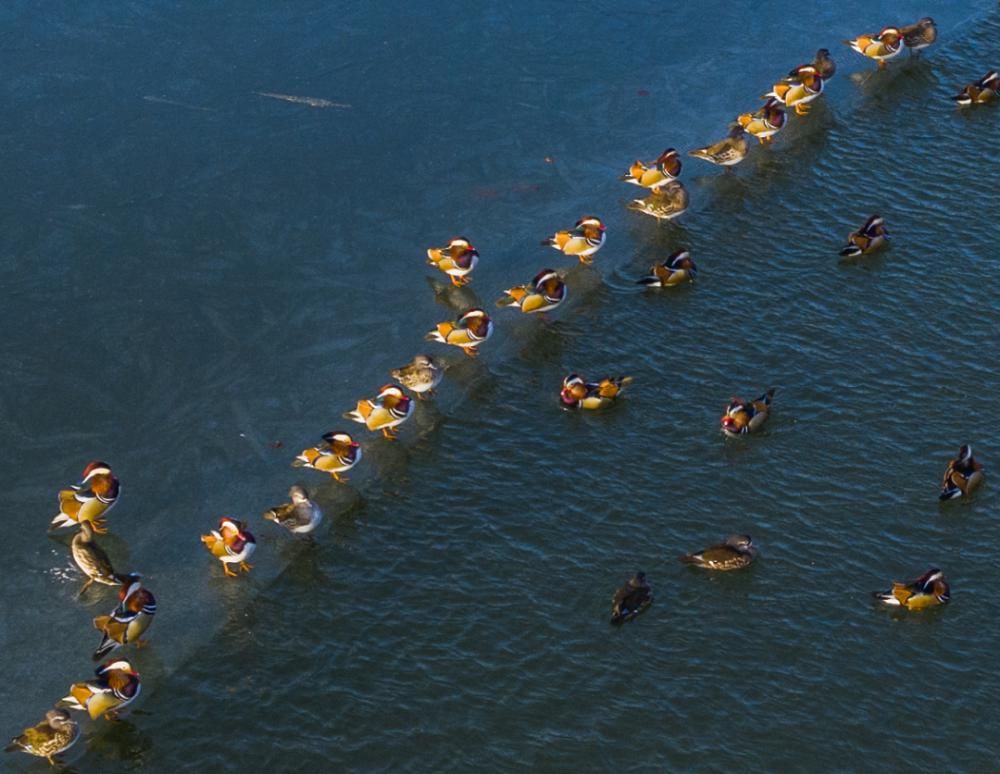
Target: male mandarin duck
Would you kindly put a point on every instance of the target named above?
(676, 269)
(231, 543)
(929, 590)
(764, 122)
(882, 47)
(54, 735)
(579, 394)
(421, 376)
(127, 622)
(736, 552)
(543, 294)
(823, 64)
(338, 454)
(664, 203)
(631, 599)
(919, 35)
(90, 499)
(116, 686)
(870, 237)
(300, 517)
(727, 152)
(963, 476)
(585, 239)
(799, 90)
(468, 331)
(387, 410)
(986, 89)
(665, 168)
(457, 259)
(746, 416)
(91, 558)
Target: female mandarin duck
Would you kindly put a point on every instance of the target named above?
(468, 331)
(421, 376)
(457, 259)
(127, 622)
(90, 499)
(823, 64)
(664, 169)
(727, 152)
(232, 543)
(54, 735)
(91, 558)
(986, 89)
(929, 590)
(746, 417)
(920, 35)
(882, 47)
(664, 203)
(870, 237)
(117, 685)
(737, 552)
(765, 122)
(387, 410)
(676, 269)
(631, 599)
(338, 454)
(578, 394)
(799, 90)
(963, 476)
(543, 294)
(300, 517)
(585, 239)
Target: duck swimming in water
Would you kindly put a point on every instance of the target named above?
(737, 552)
(929, 590)
(870, 237)
(743, 417)
(676, 269)
(631, 599)
(419, 377)
(882, 47)
(338, 454)
(986, 89)
(585, 239)
(664, 169)
(543, 294)
(300, 517)
(963, 476)
(54, 735)
(457, 259)
(579, 394)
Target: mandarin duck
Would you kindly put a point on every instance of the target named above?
(631, 599)
(963, 476)
(54, 735)
(986, 89)
(823, 64)
(665, 168)
(386, 411)
(457, 259)
(882, 47)
(468, 331)
(585, 239)
(300, 517)
(419, 377)
(746, 416)
(90, 499)
(231, 543)
(338, 454)
(664, 203)
(765, 122)
(116, 686)
(579, 394)
(870, 237)
(929, 590)
(727, 152)
(127, 622)
(676, 269)
(544, 293)
(91, 558)
(736, 552)
(799, 90)
(920, 35)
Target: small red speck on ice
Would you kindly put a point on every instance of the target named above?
(643, 93)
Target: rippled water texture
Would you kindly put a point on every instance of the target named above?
(200, 279)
